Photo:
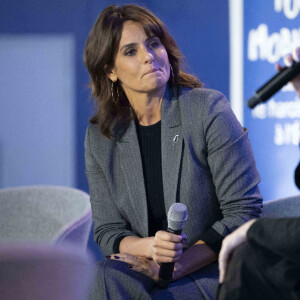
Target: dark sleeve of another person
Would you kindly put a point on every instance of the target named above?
(279, 235)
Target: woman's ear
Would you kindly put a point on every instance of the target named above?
(111, 73)
(112, 77)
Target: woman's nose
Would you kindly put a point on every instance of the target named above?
(148, 55)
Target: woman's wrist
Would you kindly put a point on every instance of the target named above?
(137, 246)
(149, 247)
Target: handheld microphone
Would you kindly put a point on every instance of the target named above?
(177, 217)
(274, 85)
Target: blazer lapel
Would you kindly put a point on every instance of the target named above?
(171, 145)
(131, 164)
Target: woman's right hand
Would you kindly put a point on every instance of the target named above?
(167, 247)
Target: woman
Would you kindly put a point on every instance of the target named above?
(159, 138)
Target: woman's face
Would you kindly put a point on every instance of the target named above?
(141, 63)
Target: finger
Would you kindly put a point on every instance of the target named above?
(288, 60)
(161, 255)
(222, 265)
(165, 259)
(224, 256)
(159, 252)
(160, 244)
(117, 257)
(124, 257)
(296, 54)
(222, 271)
(167, 236)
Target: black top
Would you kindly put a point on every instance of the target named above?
(150, 146)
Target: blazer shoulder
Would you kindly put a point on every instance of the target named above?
(200, 94)
(202, 100)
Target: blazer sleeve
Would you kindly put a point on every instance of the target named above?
(232, 165)
(109, 225)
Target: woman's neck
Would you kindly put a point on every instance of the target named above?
(148, 112)
(147, 107)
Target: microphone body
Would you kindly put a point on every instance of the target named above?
(274, 85)
(177, 217)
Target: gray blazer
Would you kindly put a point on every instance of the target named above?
(207, 164)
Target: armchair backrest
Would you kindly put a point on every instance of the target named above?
(52, 214)
(281, 208)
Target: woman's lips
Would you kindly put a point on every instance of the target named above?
(151, 71)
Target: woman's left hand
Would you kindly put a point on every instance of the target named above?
(139, 264)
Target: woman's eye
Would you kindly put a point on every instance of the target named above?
(130, 52)
(154, 44)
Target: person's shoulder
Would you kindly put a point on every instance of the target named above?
(202, 98)
(199, 94)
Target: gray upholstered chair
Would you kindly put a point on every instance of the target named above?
(52, 214)
(44, 271)
(282, 208)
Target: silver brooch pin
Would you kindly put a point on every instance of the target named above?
(175, 139)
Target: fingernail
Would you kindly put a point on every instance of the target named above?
(296, 54)
(130, 266)
(288, 61)
(108, 257)
(116, 257)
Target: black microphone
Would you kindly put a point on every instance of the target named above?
(177, 217)
(274, 84)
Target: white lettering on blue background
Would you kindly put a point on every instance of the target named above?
(290, 8)
(271, 47)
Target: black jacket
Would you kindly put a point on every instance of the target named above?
(268, 265)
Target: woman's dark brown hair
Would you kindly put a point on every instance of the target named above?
(99, 56)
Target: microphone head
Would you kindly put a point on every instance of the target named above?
(177, 216)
